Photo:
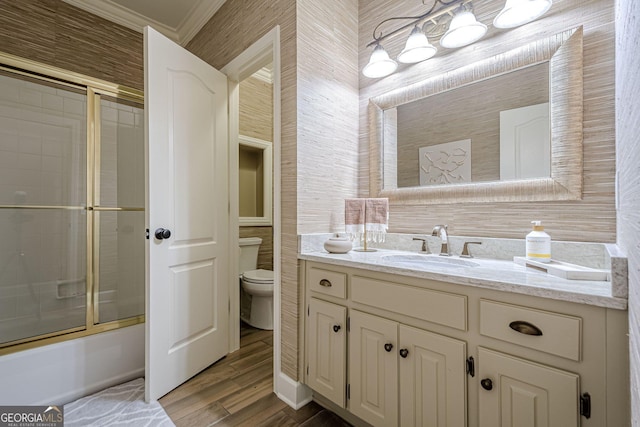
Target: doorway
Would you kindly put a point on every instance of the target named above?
(264, 52)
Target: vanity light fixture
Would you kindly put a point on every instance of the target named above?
(463, 29)
(417, 48)
(380, 65)
(520, 12)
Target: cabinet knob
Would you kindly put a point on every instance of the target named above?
(388, 346)
(325, 283)
(486, 384)
(404, 353)
(336, 328)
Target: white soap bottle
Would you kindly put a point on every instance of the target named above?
(538, 244)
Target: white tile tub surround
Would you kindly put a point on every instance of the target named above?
(499, 271)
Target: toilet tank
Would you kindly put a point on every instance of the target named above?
(249, 247)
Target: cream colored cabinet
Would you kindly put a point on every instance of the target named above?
(400, 374)
(519, 393)
(326, 352)
(538, 362)
(433, 384)
(373, 369)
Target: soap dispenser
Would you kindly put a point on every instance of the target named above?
(538, 244)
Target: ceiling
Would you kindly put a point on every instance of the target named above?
(179, 20)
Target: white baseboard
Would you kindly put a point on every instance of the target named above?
(291, 392)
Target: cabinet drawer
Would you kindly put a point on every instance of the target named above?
(552, 333)
(327, 282)
(433, 306)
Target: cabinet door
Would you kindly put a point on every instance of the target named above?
(525, 394)
(373, 369)
(326, 357)
(433, 390)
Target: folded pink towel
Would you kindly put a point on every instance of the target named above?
(366, 215)
(376, 218)
(354, 217)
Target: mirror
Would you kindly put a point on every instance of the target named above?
(254, 181)
(449, 139)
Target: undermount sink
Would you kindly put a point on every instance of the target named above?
(417, 261)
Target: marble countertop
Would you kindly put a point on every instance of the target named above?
(501, 275)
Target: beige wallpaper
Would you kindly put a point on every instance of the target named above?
(591, 219)
(54, 33)
(236, 26)
(628, 154)
(256, 109)
(256, 121)
(327, 112)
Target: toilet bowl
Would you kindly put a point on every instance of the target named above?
(258, 285)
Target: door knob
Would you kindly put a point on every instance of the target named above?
(486, 384)
(404, 353)
(336, 328)
(388, 346)
(162, 233)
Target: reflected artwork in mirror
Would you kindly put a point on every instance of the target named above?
(508, 128)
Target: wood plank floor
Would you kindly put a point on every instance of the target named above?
(238, 391)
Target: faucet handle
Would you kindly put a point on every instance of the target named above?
(425, 248)
(465, 249)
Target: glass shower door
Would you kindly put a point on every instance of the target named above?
(119, 212)
(43, 220)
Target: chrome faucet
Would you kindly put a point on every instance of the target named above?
(441, 231)
(425, 247)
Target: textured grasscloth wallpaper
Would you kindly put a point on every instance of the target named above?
(628, 154)
(54, 33)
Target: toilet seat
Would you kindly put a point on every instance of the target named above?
(259, 276)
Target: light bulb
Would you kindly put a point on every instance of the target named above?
(417, 48)
(520, 12)
(380, 65)
(463, 30)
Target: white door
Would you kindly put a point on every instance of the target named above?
(187, 309)
(525, 142)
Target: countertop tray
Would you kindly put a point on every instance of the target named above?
(565, 270)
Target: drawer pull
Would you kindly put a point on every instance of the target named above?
(404, 353)
(388, 346)
(525, 328)
(325, 283)
(336, 328)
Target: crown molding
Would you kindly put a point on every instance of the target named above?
(264, 74)
(185, 31)
(196, 19)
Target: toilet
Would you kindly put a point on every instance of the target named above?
(256, 286)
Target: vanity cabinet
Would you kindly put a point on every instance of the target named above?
(393, 350)
(326, 349)
(373, 369)
(520, 393)
(394, 367)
